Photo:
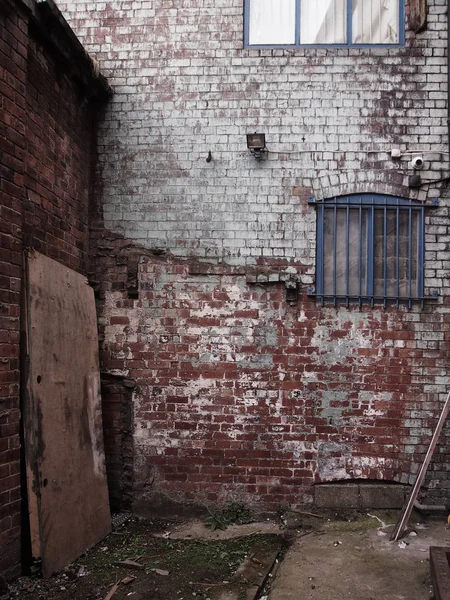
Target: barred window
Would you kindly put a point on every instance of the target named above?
(272, 23)
(370, 248)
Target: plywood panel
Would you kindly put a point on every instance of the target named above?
(62, 417)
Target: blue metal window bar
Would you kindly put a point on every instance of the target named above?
(349, 26)
(370, 249)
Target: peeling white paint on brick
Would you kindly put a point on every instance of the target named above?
(294, 393)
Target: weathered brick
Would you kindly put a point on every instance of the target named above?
(41, 104)
(228, 374)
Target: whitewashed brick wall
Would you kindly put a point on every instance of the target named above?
(185, 86)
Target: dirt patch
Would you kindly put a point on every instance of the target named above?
(198, 530)
(165, 568)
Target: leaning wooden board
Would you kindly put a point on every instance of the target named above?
(67, 489)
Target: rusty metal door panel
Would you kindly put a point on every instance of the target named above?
(68, 495)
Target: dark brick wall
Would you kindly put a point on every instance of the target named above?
(57, 165)
(47, 129)
(13, 76)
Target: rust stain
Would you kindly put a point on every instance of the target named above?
(418, 15)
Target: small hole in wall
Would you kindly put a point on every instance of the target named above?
(39, 379)
(45, 482)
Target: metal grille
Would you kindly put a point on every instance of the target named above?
(370, 248)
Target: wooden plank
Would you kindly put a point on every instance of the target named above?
(30, 455)
(407, 509)
(63, 422)
(440, 571)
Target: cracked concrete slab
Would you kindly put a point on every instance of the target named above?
(351, 561)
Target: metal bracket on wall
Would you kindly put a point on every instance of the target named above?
(291, 292)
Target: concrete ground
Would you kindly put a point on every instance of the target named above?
(356, 561)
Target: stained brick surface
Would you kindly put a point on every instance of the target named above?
(46, 134)
(239, 394)
(13, 57)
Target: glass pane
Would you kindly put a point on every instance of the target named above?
(272, 22)
(357, 252)
(408, 247)
(351, 266)
(414, 253)
(391, 250)
(375, 21)
(403, 253)
(328, 252)
(378, 253)
(323, 22)
(341, 253)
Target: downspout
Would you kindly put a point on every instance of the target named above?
(431, 508)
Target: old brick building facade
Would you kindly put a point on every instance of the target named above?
(221, 383)
(49, 98)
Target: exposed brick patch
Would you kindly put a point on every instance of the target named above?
(118, 425)
(239, 395)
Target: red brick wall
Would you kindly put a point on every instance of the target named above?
(47, 129)
(240, 395)
(57, 167)
(13, 74)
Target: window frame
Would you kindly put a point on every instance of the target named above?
(349, 28)
(372, 203)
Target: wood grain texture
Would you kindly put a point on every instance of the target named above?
(63, 424)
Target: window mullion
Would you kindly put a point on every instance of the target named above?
(334, 251)
(409, 256)
(385, 255)
(360, 256)
(347, 254)
(421, 256)
(349, 31)
(401, 22)
(397, 255)
(246, 23)
(320, 248)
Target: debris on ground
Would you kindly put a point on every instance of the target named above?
(161, 571)
(129, 564)
(112, 591)
(136, 562)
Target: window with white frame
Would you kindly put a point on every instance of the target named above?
(272, 23)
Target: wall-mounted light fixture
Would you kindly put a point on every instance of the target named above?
(256, 143)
